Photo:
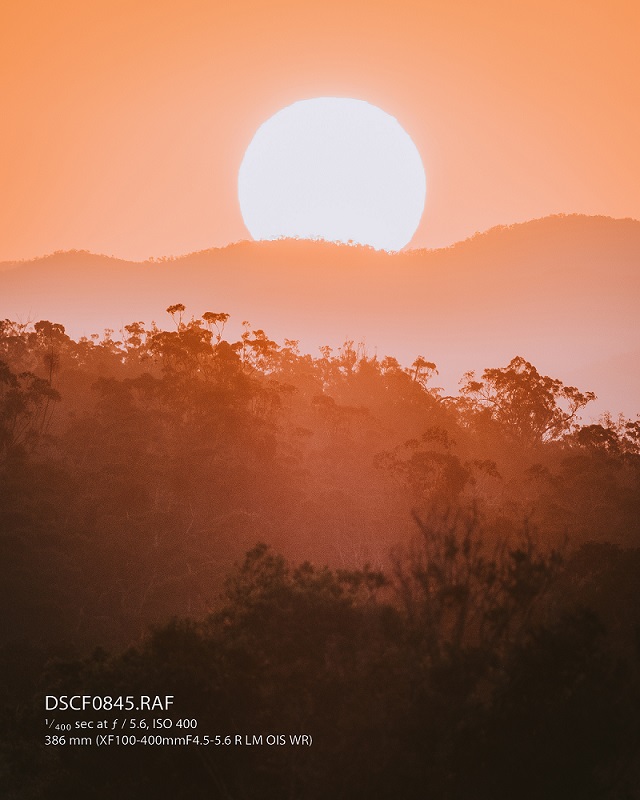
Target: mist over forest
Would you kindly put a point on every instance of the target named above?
(559, 291)
(441, 589)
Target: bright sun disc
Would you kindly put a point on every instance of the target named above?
(336, 169)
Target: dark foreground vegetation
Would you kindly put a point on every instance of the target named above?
(475, 633)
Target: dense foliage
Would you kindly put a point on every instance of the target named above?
(474, 633)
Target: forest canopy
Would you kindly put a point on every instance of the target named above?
(459, 546)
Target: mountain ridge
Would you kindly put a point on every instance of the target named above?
(561, 291)
(478, 235)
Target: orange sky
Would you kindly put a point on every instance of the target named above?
(124, 123)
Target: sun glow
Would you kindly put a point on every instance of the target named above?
(333, 168)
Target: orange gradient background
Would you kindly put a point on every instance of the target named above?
(124, 124)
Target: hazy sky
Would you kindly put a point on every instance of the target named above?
(124, 123)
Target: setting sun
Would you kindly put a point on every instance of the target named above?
(333, 168)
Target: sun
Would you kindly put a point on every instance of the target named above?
(333, 168)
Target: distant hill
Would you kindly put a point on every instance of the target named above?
(561, 291)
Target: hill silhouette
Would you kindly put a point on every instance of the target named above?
(561, 291)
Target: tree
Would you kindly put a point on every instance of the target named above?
(530, 406)
(26, 404)
(218, 320)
